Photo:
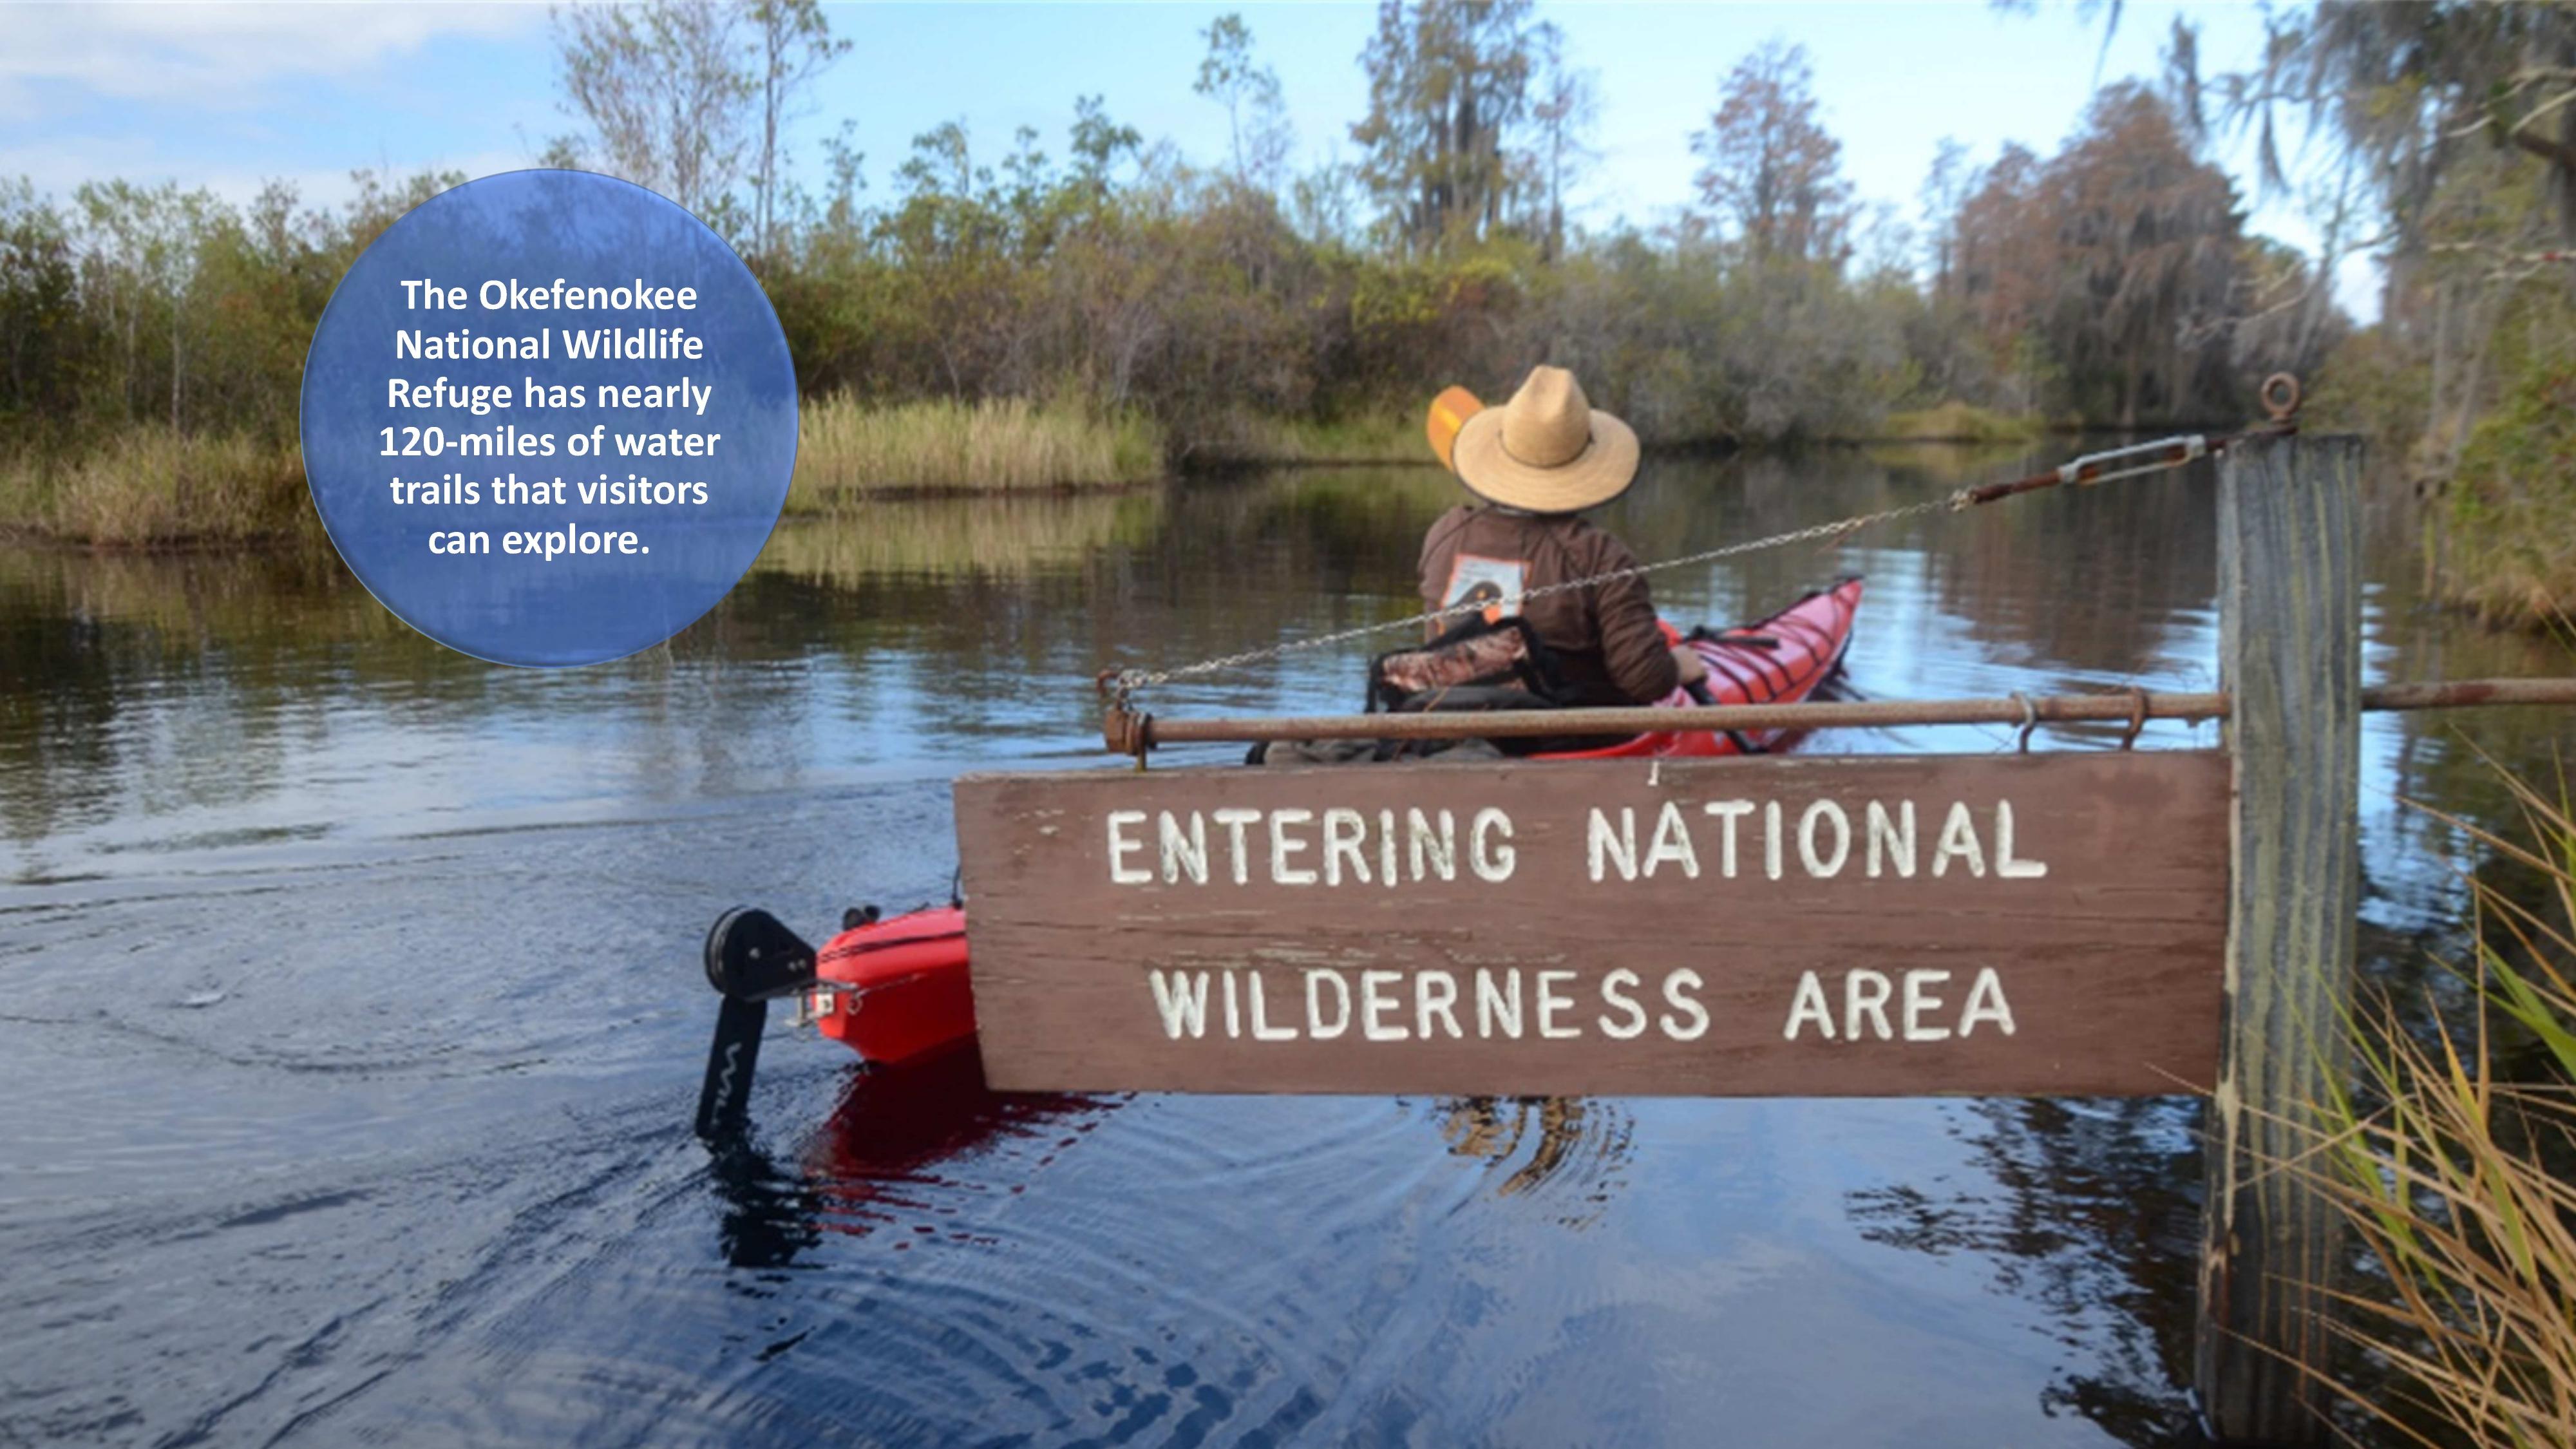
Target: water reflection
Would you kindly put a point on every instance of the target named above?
(157, 704)
(962, 538)
(426, 902)
(2091, 1210)
(1551, 1148)
(896, 1138)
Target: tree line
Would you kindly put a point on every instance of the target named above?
(2441, 139)
(2111, 282)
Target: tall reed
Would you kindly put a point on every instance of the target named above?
(848, 450)
(146, 485)
(2451, 1160)
(1958, 422)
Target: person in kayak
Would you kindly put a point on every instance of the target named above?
(1536, 463)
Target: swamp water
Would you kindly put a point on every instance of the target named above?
(353, 1021)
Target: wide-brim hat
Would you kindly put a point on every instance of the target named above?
(1548, 450)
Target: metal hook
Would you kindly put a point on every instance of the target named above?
(2137, 715)
(2029, 718)
(1113, 685)
(2281, 396)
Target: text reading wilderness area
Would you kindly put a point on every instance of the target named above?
(1296, 846)
(542, 395)
(1863, 925)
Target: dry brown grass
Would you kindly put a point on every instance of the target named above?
(2454, 1177)
(1958, 422)
(2515, 567)
(848, 451)
(147, 486)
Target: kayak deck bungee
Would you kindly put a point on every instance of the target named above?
(896, 990)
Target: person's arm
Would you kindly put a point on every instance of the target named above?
(1632, 641)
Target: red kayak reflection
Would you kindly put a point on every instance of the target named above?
(893, 1136)
(897, 1127)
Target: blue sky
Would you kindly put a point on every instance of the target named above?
(230, 95)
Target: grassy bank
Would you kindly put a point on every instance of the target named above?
(848, 452)
(146, 487)
(2489, 470)
(1958, 422)
(2511, 529)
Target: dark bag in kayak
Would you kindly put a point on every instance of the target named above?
(1476, 666)
(1472, 665)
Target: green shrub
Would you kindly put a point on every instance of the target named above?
(2512, 514)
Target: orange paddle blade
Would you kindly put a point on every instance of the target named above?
(1450, 412)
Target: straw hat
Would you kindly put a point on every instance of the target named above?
(1547, 450)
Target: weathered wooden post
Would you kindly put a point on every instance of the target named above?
(2289, 600)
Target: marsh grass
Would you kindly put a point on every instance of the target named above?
(1958, 422)
(849, 451)
(2451, 1160)
(147, 486)
(1951, 464)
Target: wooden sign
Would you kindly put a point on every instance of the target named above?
(1858, 926)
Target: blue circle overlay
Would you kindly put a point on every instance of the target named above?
(610, 570)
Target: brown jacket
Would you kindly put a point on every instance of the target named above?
(1605, 638)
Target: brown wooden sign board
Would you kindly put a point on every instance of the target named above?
(1856, 926)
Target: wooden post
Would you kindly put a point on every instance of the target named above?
(2289, 601)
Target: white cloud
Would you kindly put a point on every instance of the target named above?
(219, 55)
(58, 169)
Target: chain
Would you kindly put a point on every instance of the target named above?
(1128, 680)
(2093, 468)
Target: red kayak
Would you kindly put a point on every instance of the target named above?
(895, 990)
(1779, 660)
